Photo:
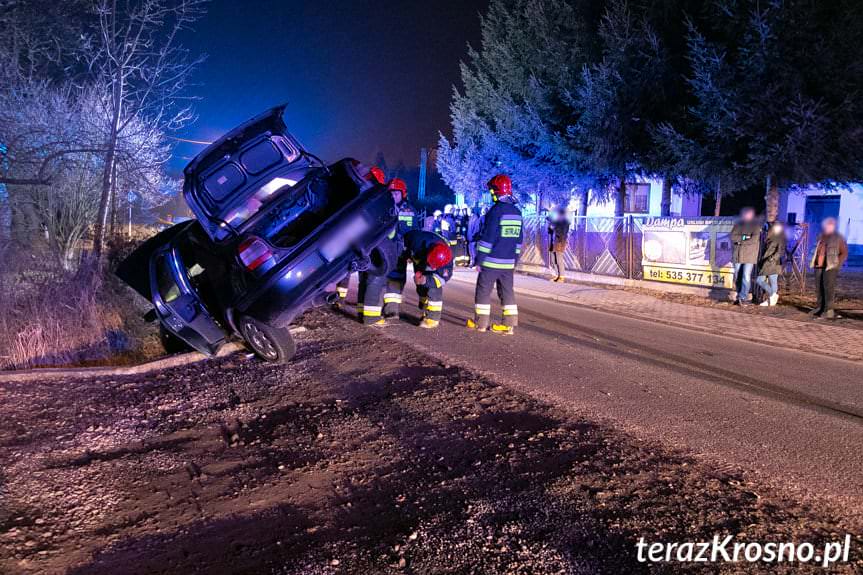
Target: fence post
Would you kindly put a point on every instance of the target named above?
(629, 262)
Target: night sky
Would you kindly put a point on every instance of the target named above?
(358, 77)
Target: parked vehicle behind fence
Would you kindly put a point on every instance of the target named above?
(275, 229)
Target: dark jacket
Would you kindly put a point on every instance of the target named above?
(746, 237)
(835, 251)
(772, 254)
(418, 243)
(499, 243)
(559, 231)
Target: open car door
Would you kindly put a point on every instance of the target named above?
(178, 305)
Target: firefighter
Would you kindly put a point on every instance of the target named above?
(375, 176)
(498, 248)
(371, 298)
(432, 263)
(398, 276)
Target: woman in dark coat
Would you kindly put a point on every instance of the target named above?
(770, 263)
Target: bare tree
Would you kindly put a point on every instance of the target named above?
(136, 60)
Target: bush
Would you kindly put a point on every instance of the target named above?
(52, 317)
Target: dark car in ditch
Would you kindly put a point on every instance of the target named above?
(275, 229)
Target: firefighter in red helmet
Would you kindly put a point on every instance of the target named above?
(498, 249)
(374, 176)
(432, 263)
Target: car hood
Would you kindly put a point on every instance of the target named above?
(230, 179)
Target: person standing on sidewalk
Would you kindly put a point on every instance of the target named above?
(831, 251)
(746, 237)
(498, 249)
(558, 229)
(770, 263)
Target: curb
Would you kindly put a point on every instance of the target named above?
(155, 365)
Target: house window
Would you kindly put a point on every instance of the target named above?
(637, 198)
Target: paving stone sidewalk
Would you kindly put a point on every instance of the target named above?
(816, 337)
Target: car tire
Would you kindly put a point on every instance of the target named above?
(382, 259)
(171, 343)
(270, 343)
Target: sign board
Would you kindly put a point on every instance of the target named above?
(692, 251)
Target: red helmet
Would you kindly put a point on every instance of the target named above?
(439, 256)
(501, 185)
(376, 175)
(400, 185)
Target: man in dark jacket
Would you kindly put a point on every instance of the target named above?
(746, 237)
(831, 251)
(770, 263)
(498, 249)
(558, 229)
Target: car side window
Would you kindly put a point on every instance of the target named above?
(168, 288)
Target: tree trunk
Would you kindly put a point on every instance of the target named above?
(717, 206)
(620, 198)
(581, 205)
(771, 198)
(665, 209)
(107, 174)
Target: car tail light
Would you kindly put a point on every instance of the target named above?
(254, 253)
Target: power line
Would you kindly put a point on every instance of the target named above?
(200, 142)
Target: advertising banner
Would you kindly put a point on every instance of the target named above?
(693, 251)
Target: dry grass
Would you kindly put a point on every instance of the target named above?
(50, 317)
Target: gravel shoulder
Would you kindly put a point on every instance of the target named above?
(363, 456)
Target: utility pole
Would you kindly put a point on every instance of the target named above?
(424, 160)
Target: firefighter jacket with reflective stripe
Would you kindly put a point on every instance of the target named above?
(407, 219)
(499, 243)
(418, 243)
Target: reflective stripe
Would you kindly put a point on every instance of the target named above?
(392, 298)
(439, 281)
(509, 222)
(372, 311)
(510, 310)
(484, 244)
(453, 242)
(391, 235)
(435, 306)
(343, 292)
(496, 266)
(482, 309)
(483, 249)
(499, 260)
(408, 219)
(510, 218)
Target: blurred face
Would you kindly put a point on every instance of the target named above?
(747, 215)
(777, 228)
(828, 226)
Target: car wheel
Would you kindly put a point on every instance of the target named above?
(381, 259)
(171, 342)
(268, 342)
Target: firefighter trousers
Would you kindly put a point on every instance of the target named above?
(431, 300)
(487, 280)
(395, 287)
(370, 297)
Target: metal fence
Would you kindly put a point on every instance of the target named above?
(611, 246)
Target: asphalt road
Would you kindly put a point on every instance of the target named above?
(793, 418)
